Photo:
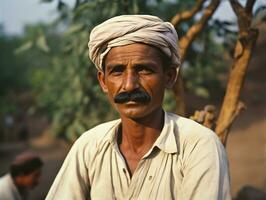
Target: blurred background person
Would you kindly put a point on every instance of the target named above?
(24, 175)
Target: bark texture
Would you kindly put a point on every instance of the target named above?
(247, 37)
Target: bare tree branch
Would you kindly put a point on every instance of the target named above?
(184, 44)
(243, 18)
(194, 30)
(249, 6)
(246, 41)
(225, 126)
(186, 15)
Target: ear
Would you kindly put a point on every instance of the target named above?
(101, 79)
(171, 76)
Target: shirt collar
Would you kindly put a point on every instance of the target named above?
(112, 133)
(167, 141)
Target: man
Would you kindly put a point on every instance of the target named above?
(148, 153)
(25, 172)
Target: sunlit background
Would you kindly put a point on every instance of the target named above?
(49, 94)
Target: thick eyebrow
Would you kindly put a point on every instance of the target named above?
(113, 65)
(144, 63)
(121, 64)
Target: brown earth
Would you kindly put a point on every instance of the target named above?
(247, 141)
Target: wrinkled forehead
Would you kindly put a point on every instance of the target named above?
(138, 52)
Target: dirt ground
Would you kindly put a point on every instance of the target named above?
(246, 150)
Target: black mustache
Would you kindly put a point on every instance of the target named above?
(136, 95)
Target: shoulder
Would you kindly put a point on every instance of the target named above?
(98, 132)
(7, 188)
(192, 133)
(96, 136)
(89, 144)
(198, 144)
(5, 180)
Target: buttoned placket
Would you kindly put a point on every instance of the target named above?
(135, 179)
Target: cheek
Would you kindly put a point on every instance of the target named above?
(113, 87)
(154, 86)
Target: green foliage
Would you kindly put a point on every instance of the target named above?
(10, 66)
(66, 83)
(64, 80)
(13, 77)
(204, 63)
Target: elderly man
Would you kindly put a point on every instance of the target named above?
(148, 153)
(25, 172)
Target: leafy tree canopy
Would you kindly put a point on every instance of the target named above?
(64, 80)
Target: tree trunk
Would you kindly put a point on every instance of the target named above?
(247, 37)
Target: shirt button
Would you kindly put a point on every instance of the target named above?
(150, 177)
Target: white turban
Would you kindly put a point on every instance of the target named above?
(129, 29)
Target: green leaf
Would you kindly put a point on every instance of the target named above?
(84, 7)
(202, 92)
(74, 28)
(24, 47)
(42, 44)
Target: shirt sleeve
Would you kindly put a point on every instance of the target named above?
(205, 170)
(72, 181)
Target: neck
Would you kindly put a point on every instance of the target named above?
(140, 134)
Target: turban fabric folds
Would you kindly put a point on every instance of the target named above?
(129, 29)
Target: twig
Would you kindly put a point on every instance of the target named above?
(186, 15)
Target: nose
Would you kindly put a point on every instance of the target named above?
(130, 81)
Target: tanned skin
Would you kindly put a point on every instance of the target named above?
(137, 67)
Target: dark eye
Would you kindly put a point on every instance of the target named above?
(142, 69)
(117, 70)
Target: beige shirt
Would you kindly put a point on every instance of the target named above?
(186, 162)
(8, 190)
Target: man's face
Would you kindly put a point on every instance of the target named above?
(135, 68)
(31, 180)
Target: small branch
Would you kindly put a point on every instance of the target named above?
(194, 30)
(249, 6)
(224, 127)
(184, 44)
(237, 7)
(178, 90)
(243, 18)
(186, 15)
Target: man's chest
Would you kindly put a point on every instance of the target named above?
(155, 177)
